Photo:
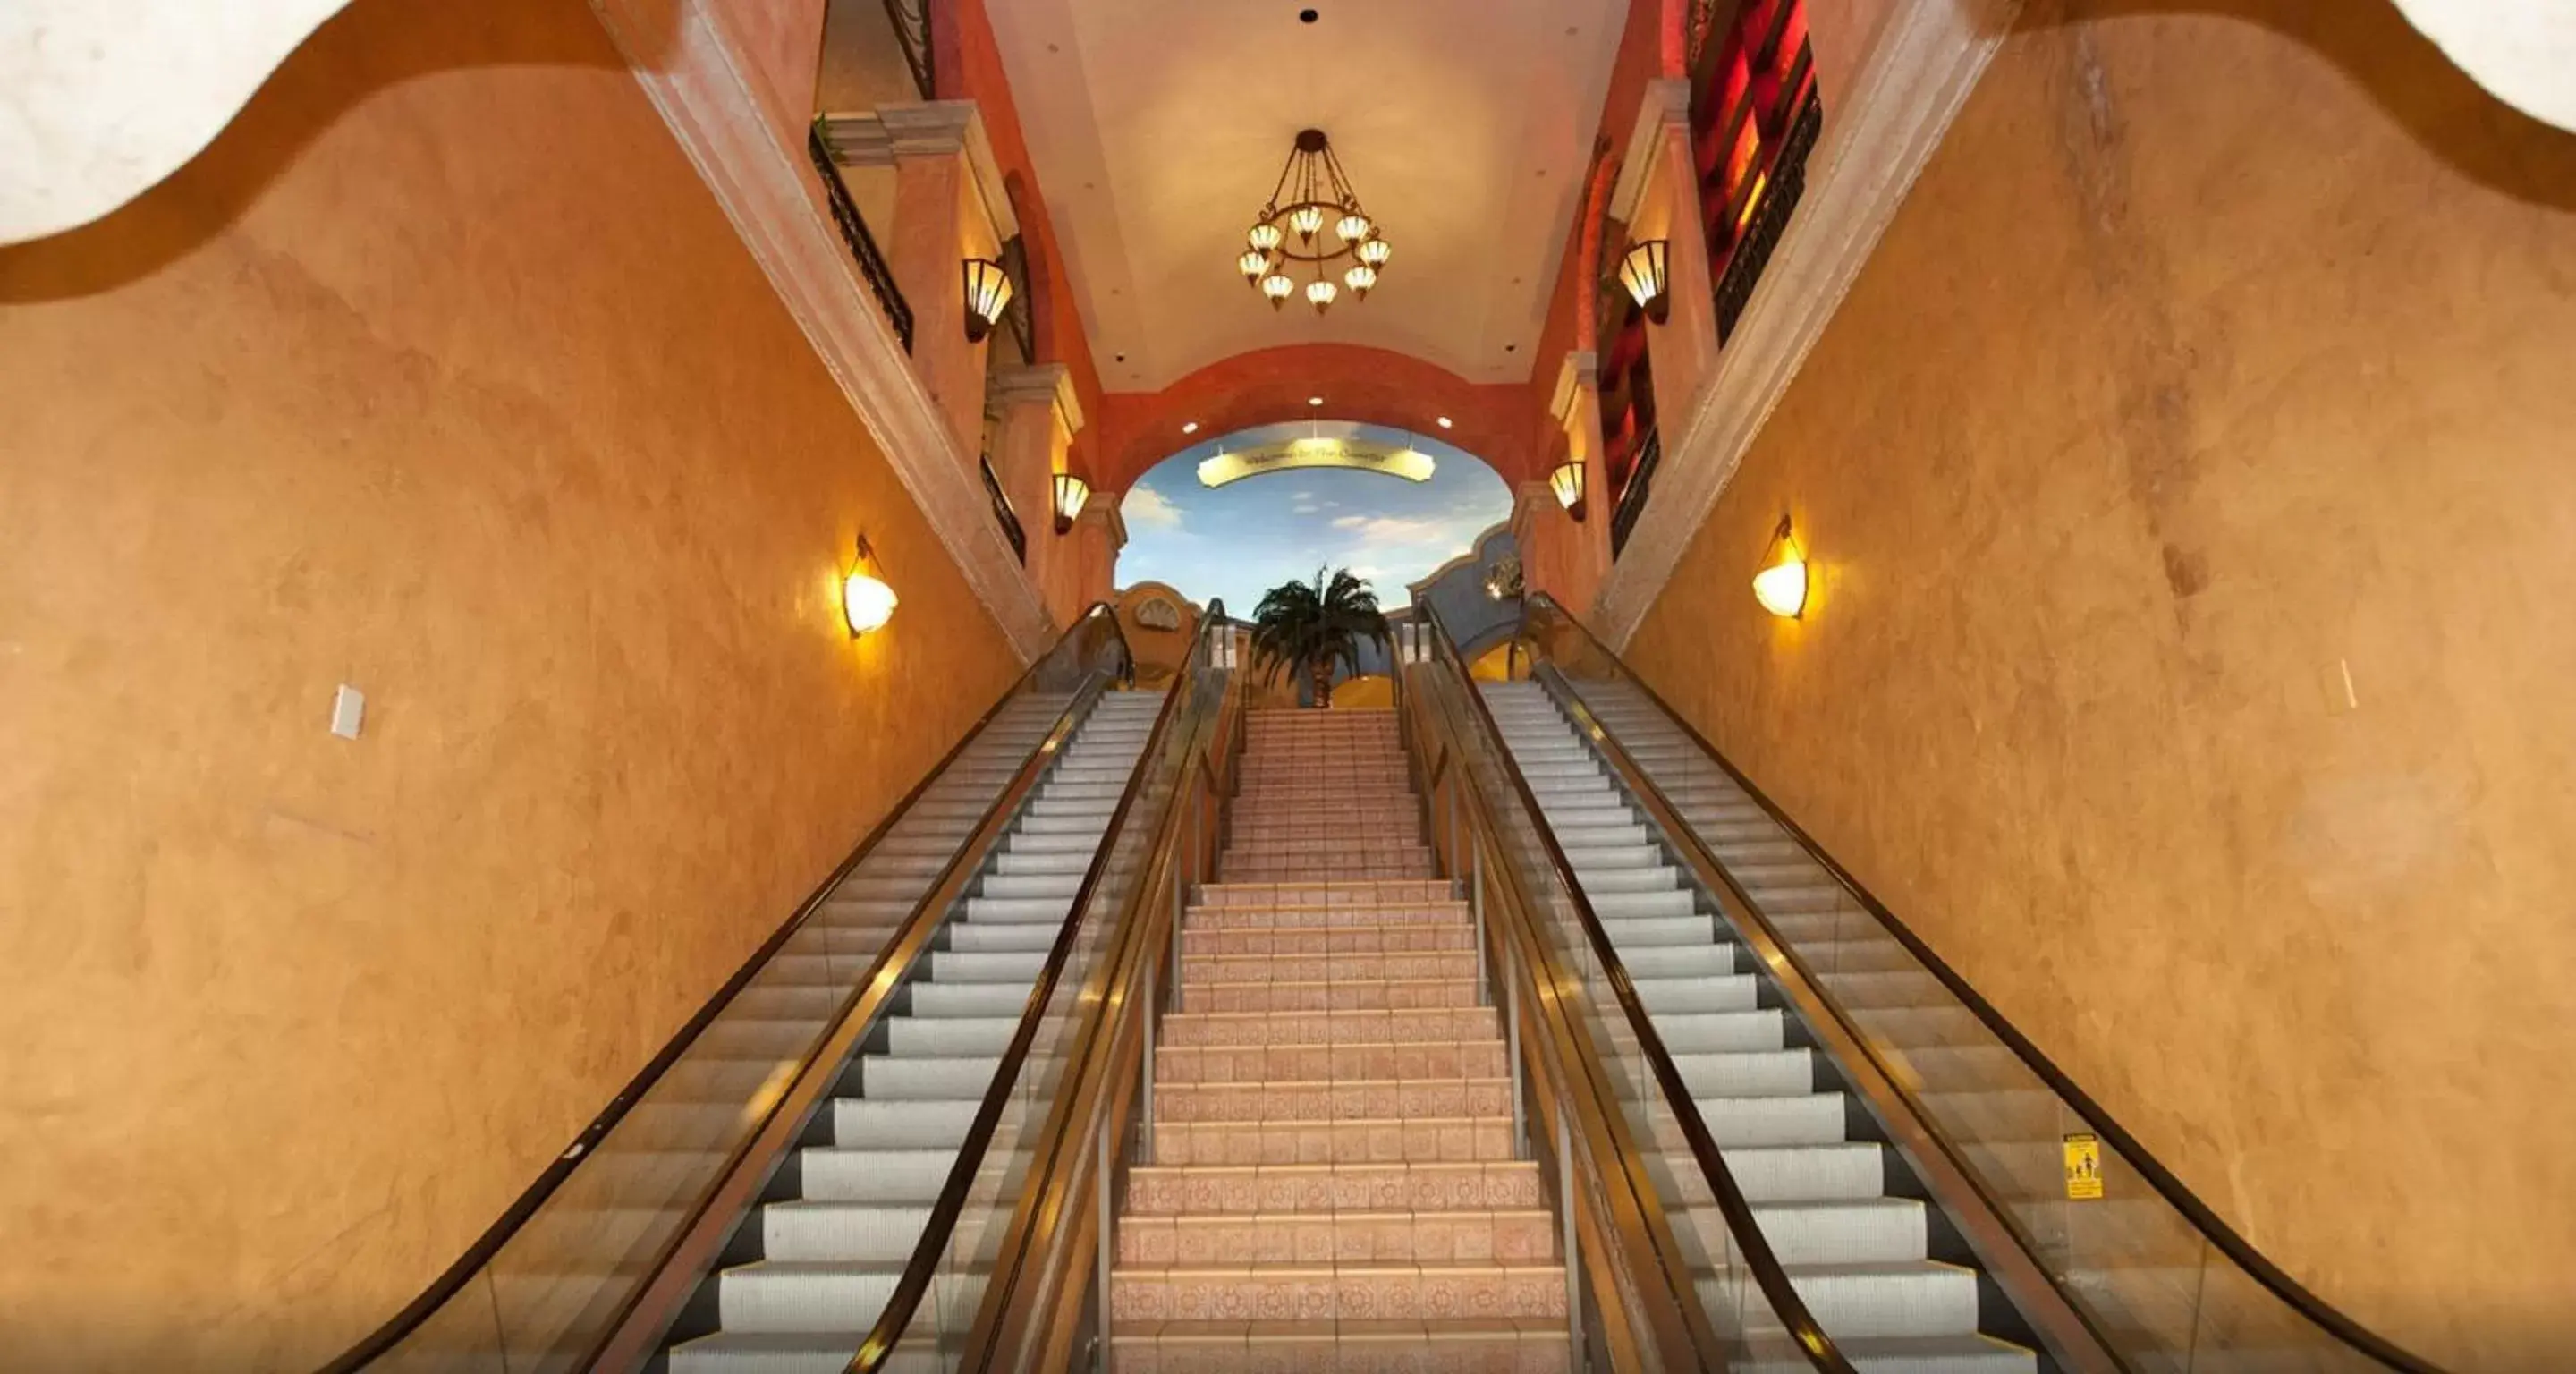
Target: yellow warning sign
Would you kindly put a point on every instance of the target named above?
(2083, 1168)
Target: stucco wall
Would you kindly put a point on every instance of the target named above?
(2215, 355)
(441, 374)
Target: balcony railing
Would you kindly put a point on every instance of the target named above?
(1632, 497)
(911, 21)
(1003, 515)
(854, 232)
(1788, 181)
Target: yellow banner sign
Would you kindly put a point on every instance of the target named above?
(1411, 464)
(2083, 1168)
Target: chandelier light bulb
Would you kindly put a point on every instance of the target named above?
(1265, 237)
(1360, 279)
(1278, 288)
(1306, 219)
(1375, 252)
(1354, 227)
(1320, 295)
(1253, 263)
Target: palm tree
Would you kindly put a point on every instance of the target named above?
(1311, 626)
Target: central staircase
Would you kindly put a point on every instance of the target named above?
(1334, 1181)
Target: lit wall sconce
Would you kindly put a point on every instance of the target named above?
(988, 294)
(867, 603)
(1645, 272)
(1781, 586)
(1567, 483)
(1071, 493)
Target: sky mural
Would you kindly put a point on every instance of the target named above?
(1239, 540)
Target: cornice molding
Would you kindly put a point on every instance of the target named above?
(1920, 72)
(1048, 382)
(698, 81)
(1666, 106)
(929, 128)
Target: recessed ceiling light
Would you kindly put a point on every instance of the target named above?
(1444, 422)
(1191, 428)
(1314, 400)
(1511, 348)
(1307, 16)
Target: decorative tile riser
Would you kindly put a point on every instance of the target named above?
(1391, 994)
(1431, 1060)
(1293, 1102)
(1156, 1190)
(1449, 1025)
(1310, 917)
(1223, 1240)
(1339, 968)
(1419, 938)
(1374, 865)
(1384, 892)
(1181, 1348)
(1338, 1293)
(1426, 1141)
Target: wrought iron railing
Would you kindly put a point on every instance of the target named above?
(911, 21)
(1788, 182)
(1632, 497)
(854, 232)
(1002, 513)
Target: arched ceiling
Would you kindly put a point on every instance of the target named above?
(1159, 126)
(1499, 422)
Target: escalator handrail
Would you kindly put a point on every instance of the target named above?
(1768, 1273)
(931, 1250)
(2172, 1189)
(488, 1245)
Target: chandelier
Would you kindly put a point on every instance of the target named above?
(1313, 220)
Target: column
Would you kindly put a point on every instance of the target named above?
(949, 205)
(1087, 570)
(1036, 417)
(1578, 550)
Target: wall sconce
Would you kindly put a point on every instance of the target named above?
(1781, 586)
(1645, 272)
(867, 603)
(988, 294)
(1567, 483)
(1071, 493)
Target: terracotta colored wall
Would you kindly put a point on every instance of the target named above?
(2212, 354)
(440, 373)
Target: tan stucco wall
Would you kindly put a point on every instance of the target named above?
(442, 374)
(2213, 355)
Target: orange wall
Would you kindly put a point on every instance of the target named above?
(2211, 356)
(442, 374)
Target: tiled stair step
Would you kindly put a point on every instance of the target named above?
(1438, 1025)
(1171, 1190)
(1349, 814)
(1329, 917)
(1273, 998)
(1405, 937)
(1361, 1062)
(1344, 1292)
(1304, 866)
(1335, 968)
(1325, 849)
(1290, 1103)
(1450, 1346)
(1325, 893)
(1423, 1140)
(1357, 1237)
(1862, 1301)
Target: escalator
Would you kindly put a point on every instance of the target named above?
(811, 1173)
(1868, 1167)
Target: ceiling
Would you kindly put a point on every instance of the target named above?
(1158, 127)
